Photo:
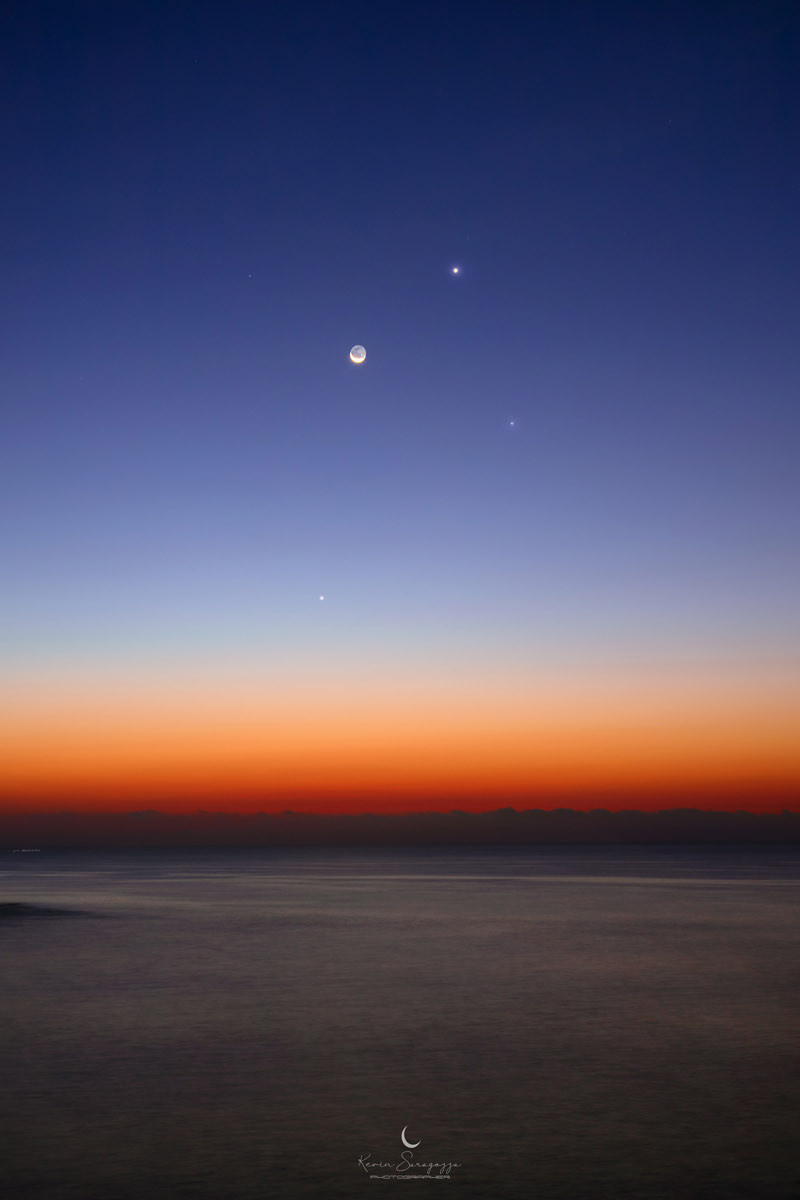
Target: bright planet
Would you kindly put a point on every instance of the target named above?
(358, 354)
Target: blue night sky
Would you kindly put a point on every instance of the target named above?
(580, 449)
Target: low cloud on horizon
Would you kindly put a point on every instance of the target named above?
(502, 826)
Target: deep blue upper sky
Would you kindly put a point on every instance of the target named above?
(206, 204)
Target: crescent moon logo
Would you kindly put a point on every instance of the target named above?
(411, 1145)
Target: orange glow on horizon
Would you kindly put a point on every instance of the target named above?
(398, 743)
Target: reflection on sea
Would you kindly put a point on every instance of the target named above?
(564, 1022)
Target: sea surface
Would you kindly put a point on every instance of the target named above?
(561, 1022)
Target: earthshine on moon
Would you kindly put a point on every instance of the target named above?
(358, 354)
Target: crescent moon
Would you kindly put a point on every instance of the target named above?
(411, 1145)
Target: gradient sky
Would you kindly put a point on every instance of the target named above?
(205, 206)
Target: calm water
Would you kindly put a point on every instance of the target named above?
(570, 1023)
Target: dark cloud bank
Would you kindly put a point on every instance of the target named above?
(503, 826)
